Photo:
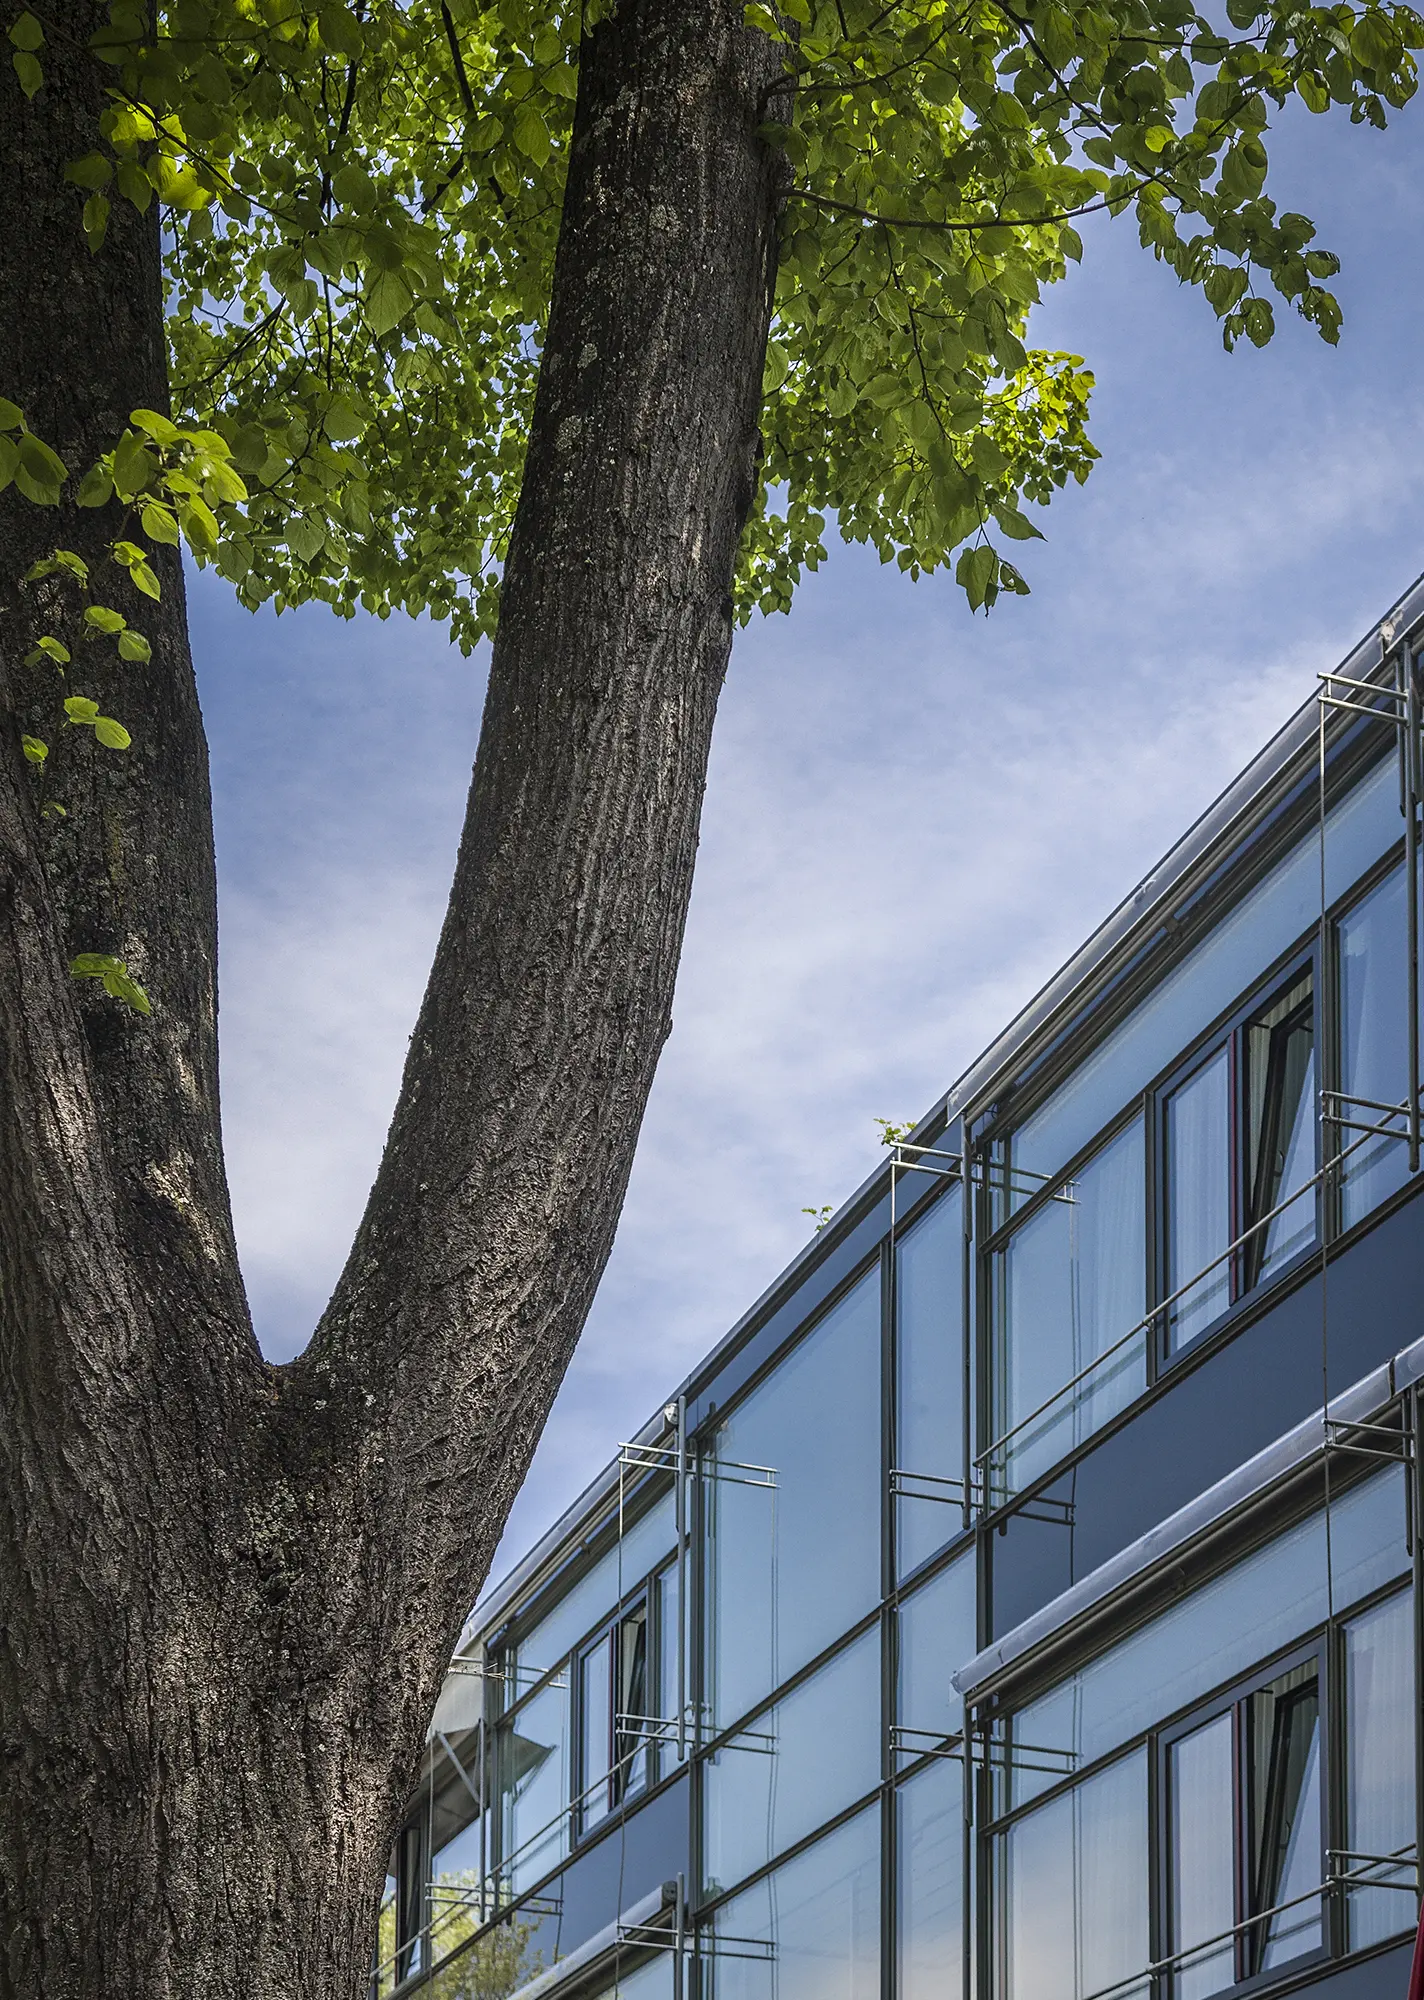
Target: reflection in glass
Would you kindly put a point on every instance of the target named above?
(1073, 1890)
(938, 1632)
(1279, 1050)
(793, 1766)
(1201, 1789)
(1379, 1764)
(791, 1566)
(595, 1596)
(1217, 1632)
(669, 1613)
(929, 1315)
(1267, 922)
(533, 1757)
(632, 1709)
(1374, 1040)
(1283, 1725)
(808, 1931)
(1198, 1140)
(1069, 1285)
(930, 1920)
(593, 1733)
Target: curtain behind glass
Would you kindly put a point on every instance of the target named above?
(1070, 1285)
(1374, 1039)
(1075, 1873)
(1379, 1790)
(1199, 1197)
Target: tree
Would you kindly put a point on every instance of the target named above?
(570, 325)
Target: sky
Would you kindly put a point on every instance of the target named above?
(913, 816)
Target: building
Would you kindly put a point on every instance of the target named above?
(1022, 1601)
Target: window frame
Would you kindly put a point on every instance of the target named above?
(1230, 1035)
(585, 1823)
(1322, 1649)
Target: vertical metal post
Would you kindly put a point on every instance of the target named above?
(1411, 877)
(683, 1608)
(966, 1318)
(679, 1940)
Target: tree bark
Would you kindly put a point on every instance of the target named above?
(229, 1591)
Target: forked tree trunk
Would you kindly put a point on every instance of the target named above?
(227, 1591)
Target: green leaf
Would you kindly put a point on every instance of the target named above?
(96, 222)
(1015, 525)
(103, 619)
(93, 171)
(1156, 137)
(27, 69)
(9, 460)
(388, 300)
(531, 134)
(159, 524)
(48, 649)
(81, 710)
(975, 571)
(95, 488)
(27, 33)
(40, 472)
(34, 749)
(111, 734)
(133, 646)
(12, 417)
(141, 575)
(113, 974)
(134, 465)
(159, 428)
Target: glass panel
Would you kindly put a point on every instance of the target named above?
(929, 1308)
(930, 1924)
(533, 1752)
(793, 1766)
(1076, 1870)
(491, 1968)
(1379, 1761)
(1069, 1286)
(1279, 1049)
(1374, 1039)
(594, 1700)
(650, 1981)
(632, 1711)
(938, 1632)
(1198, 1138)
(383, 1977)
(1287, 1853)
(793, 1565)
(808, 1931)
(1202, 1792)
(1215, 1634)
(651, 1537)
(669, 1612)
(457, 1902)
(1277, 912)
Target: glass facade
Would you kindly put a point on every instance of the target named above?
(1084, 1306)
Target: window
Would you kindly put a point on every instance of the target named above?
(929, 1811)
(794, 1560)
(1239, 1153)
(1379, 1770)
(616, 1720)
(1370, 943)
(644, 1543)
(929, 1377)
(807, 1931)
(1071, 1882)
(793, 1766)
(937, 1633)
(1068, 1300)
(532, 1751)
(1245, 1834)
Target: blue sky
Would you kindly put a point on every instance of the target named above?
(913, 816)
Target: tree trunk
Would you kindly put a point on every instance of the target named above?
(229, 1590)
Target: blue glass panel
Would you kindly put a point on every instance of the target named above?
(533, 1753)
(938, 1632)
(793, 1564)
(930, 1917)
(1224, 965)
(1069, 1285)
(808, 1931)
(793, 1766)
(929, 1309)
(1215, 1634)
(1072, 1902)
(1199, 1226)
(1374, 1041)
(1379, 1757)
(596, 1595)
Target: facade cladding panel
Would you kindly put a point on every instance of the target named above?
(1023, 1601)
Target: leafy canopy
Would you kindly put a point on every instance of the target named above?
(361, 204)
